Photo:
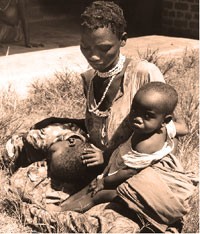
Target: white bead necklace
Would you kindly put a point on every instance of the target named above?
(112, 73)
(115, 70)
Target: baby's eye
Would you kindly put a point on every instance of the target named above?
(148, 116)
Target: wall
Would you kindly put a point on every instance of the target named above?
(145, 17)
(45, 10)
(181, 18)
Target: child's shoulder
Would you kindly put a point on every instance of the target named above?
(149, 145)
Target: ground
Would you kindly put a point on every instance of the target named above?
(61, 40)
(61, 51)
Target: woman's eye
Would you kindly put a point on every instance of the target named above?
(83, 47)
(104, 48)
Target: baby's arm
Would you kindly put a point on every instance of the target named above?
(112, 181)
(180, 124)
(181, 127)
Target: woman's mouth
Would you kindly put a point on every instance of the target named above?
(95, 65)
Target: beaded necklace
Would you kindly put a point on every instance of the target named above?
(112, 73)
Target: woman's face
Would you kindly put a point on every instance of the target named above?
(101, 48)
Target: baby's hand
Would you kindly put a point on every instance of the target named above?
(99, 186)
(93, 185)
(96, 185)
(92, 156)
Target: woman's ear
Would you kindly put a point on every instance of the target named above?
(123, 39)
(167, 119)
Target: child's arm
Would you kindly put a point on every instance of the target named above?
(180, 124)
(112, 181)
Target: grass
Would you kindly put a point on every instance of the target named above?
(63, 96)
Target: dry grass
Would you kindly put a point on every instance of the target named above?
(63, 96)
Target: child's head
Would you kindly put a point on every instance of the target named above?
(102, 34)
(102, 14)
(153, 106)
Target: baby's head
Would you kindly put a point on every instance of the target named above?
(153, 106)
(102, 14)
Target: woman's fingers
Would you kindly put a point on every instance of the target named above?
(92, 164)
(88, 156)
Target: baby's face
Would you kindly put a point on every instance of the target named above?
(101, 48)
(146, 113)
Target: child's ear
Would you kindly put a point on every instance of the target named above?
(167, 119)
(123, 39)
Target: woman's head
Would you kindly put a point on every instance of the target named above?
(102, 14)
(153, 106)
(102, 34)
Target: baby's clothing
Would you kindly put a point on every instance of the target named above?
(126, 156)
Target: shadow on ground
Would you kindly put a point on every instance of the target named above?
(52, 34)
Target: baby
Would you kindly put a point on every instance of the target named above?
(151, 118)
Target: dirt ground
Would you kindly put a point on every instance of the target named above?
(63, 33)
(61, 52)
(61, 40)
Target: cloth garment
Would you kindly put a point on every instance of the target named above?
(159, 193)
(10, 32)
(40, 144)
(36, 192)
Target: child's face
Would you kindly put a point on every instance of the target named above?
(101, 48)
(146, 114)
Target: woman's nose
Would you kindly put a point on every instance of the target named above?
(94, 57)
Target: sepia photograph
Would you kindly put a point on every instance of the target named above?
(99, 116)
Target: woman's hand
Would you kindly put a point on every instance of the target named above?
(44, 123)
(92, 156)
